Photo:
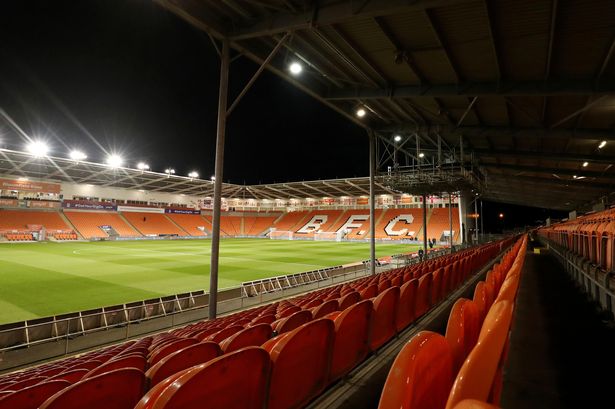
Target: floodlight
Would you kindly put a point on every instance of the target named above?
(501, 215)
(37, 148)
(142, 166)
(213, 178)
(193, 174)
(77, 155)
(114, 160)
(397, 138)
(295, 68)
(585, 164)
(421, 155)
(361, 112)
(601, 144)
(169, 171)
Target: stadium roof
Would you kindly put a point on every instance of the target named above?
(528, 84)
(22, 164)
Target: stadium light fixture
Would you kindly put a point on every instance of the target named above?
(421, 155)
(602, 144)
(114, 160)
(169, 171)
(585, 164)
(193, 174)
(76, 154)
(213, 178)
(295, 68)
(38, 149)
(397, 138)
(361, 112)
(142, 166)
(501, 215)
(23, 179)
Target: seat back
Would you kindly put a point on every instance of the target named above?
(348, 300)
(462, 330)
(350, 345)
(128, 361)
(293, 321)
(301, 363)
(184, 358)
(476, 377)
(324, 309)
(383, 326)
(233, 381)
(256, 335)
(405, 308)
(118, 389)
(421, 375)
(423, 295)
(33, 396)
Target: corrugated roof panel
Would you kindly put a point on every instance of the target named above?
(492, 111)
(412, 30)
(435, 66)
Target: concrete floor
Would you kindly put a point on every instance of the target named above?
(562, 355)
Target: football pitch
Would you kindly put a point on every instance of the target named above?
(43, 279)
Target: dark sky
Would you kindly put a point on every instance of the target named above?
(144, 83)
(141, 82)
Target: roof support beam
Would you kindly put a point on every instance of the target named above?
(440, 37)
(332, 13)
(550, 171)
(587, 106)
(358, 187)
(494, 39)
(569, 157)
(480, 89)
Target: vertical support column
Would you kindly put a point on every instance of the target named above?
(221, 131)
(425, 226)
(372, 203)
(450, 220)
(475, 221)
(482, 231)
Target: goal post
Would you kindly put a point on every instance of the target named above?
(280, 235)
(329, 235)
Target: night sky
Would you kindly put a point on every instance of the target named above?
(126, 76)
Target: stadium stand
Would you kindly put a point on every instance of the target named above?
(88, 224)
(256, 226)
(322, 220)
(435, 371)
(21, 219)
(388, 219)
(324, 348)
(153, 224)
(291, 220)
(438, 223)
(193, 224)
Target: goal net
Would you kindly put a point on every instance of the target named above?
(329, 235)
(281, 235)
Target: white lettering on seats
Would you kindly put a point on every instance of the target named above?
(314, 224)
(389, 229)
(350, 223)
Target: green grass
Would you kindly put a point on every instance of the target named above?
(43, 279)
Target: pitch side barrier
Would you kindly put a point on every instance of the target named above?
(27, 342)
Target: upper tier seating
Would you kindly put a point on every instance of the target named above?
(190, 223)
(20, 219)
(88, 224)
(153, 223)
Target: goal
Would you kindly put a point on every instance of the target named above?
(280, 235)
(329, 235)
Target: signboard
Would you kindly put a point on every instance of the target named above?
(9, 203)
(140, 209)
(29, 186)
(43, 204)
(86, 205)
(182, 211)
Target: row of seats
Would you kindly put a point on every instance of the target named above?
(325, 333)
(65, 236)
(19, 236)
(390, 223)
(88, 224)
(591, 237)
(463, 368)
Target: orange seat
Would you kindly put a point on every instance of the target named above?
(474, 404)
(149, 399)
(405, 307)
(70, 375)
(437, 286)
(264, 319)
(423, 294)
(324, 309)
(480, 299)
(462, 330)
(350, 344)
(224, 333)
(369, 292)
(383, 326)
(293, 321)
(182, 359)
(235, 380)
(129, 361)
(348, 300)
(33, 396)
(118, 389)
(169, 348)
(301, 362)
(476, 377)
(421, 375)
(252, 336)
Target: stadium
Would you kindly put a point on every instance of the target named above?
(425, 281)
